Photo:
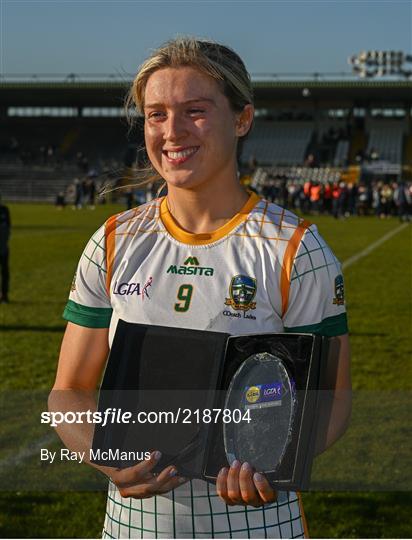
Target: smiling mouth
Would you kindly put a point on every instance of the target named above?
(180, 156)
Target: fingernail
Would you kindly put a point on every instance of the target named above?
(223, 470)
(246, 466)
(182, 480)
(235, 464)
(157, 455)
(258, 477)
(173, 472)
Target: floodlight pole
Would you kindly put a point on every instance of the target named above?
(369, 64)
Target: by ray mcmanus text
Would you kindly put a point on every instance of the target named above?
(113, 454)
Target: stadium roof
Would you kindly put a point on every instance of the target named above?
(75, 93)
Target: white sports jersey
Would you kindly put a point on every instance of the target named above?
(266, 270)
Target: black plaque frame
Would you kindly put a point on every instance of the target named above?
(163, 368)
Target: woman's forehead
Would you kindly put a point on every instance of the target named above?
(179, 85)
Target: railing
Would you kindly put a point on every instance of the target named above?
(128, 77)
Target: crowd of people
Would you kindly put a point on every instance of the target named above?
(80, 193)
(338, 199)
(341, 199)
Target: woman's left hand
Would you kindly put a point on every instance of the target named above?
(240, 485)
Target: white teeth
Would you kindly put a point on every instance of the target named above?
(182, 153)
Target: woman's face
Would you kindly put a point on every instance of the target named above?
(190, 129)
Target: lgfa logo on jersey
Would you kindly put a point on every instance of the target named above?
(242, 291)
(126, 288)
(339, 291)
(190, 267)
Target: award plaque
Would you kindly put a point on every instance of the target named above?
(252, 398)
(263, 387)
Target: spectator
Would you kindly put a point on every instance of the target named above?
(267, 191)
(336, 195)
(315, 197)
(310, 161)
(327, 198)
(352, 193)
(78, 196)
(386, 198)
(403, 199)
(283, 194)
(306, 196)
(129, 198)
(337, 198)
(5, 225)
(91, 192)
(60, 201)
(373, 154)
(293, 195)
(362, 200)
(376, 198)
(274, 192)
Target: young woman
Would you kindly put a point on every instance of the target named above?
(196, 97)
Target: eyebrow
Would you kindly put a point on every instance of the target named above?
(209, 100)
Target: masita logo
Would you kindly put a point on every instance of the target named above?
(190, 267)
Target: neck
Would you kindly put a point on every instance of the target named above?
(206, 209)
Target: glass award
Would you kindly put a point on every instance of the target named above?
(264, 390)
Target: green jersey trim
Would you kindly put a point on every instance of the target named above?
(329, 327)
(91, 317)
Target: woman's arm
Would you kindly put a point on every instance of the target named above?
(336, 396)
(82, 359)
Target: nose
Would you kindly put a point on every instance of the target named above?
(175, 128)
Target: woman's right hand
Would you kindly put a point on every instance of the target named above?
(138, 482)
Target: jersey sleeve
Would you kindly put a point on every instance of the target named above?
(89, 303)
(315, 293)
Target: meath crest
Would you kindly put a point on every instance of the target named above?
(73, 285)
(339, 291)
(242, 291)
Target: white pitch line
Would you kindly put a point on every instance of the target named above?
(27, 452)
(373, 246)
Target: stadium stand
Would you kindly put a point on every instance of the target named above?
(282, 143)
(341, 153)
(386, 139)
(99, 139)
(296, 174)
(352, 131)
(34, 190)
(39, 183)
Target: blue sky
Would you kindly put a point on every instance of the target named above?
(271, 36)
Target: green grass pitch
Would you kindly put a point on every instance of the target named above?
(45, 246)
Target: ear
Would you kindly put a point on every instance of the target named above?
(244, 120)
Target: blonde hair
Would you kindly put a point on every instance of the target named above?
(216, 60)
